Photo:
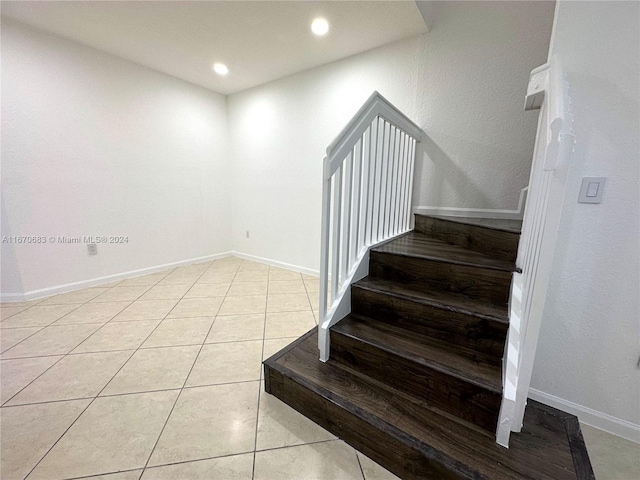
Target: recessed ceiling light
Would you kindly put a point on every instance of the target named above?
(320, 26)
(220, 68)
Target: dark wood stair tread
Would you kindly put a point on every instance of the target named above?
(437, 298)
(349, 405)
(419, 349)
(419, 245)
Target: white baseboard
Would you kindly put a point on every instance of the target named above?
(275, 263)
(516, 214)
(591, 417)
(94, 282)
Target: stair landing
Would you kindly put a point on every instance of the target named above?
(410, 438)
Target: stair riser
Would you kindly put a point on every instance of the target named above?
(463, 399)
(399, 458)
(480, 339)
(476, 282)
(499, 244)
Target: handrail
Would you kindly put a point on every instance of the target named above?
(548, 90)
(366, 199)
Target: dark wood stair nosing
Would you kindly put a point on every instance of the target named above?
(366, 285)
(442, 259)
(434, 365)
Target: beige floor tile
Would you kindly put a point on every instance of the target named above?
(309, 461)
(312, 284)
(373, 471)
(243, 305)
(122, 294)
(228, 261)
(288, 302)
(191, 269)
(54, 340)
(179, 331)
(227, 362)
(217, 276)
(209, 422)
(12, 336)
(279, 425)
(78, 296)
(234, 328)
(150, 279)
(243, 289)
(288, 324)
(26, 303)
(252, 276)
(32, 430)
(6, 312)
(38, 316)
(17, 374)
(179, 279)
(253, 267)
(118, 336)
(612, 457)
(154, 369)
(75, 376)
(314, 299)
(162, 292)
(146, 310)
(93, 313)
(197, 307)
(272, 346)
(286, 286)
(200, 290)
(128, 427)
(281, 274)
(234, 467)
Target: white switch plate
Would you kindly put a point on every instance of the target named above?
(592, 190)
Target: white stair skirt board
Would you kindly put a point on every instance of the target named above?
(516, 214)
(276, 263)
(589, 416)
(96, 282)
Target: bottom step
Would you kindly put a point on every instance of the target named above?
(413, 441)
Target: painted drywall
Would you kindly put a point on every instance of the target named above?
(464, 83)
(98, 146)
(590, 336)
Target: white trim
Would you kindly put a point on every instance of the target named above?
(589, 416)
(94, 282)
(468, 212)
(275, 263)
(516, 214)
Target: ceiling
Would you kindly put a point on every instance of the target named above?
(259, 41)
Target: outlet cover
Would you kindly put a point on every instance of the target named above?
(92, 248)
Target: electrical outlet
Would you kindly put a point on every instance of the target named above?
(92, 248)
(247, 233)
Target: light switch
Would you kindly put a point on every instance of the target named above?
(592, 190)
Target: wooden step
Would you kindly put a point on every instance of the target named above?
(497, 239)
(424, 262)
(421, 367)
(410, 439)
(476, 330)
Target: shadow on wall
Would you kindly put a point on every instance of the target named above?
(439, 175)
(10, 281)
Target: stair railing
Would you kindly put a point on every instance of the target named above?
(548, 91)
(366, 199)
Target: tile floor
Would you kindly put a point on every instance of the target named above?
(158, 377)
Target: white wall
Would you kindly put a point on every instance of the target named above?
(96, 145)
(480, 140)
(590, 338)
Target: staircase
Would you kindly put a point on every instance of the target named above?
(414, 380)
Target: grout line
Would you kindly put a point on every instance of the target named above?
(186, 379)
(359, 464)
(264, 331)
